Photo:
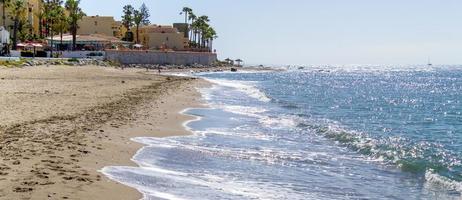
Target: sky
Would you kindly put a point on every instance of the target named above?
(287, 32)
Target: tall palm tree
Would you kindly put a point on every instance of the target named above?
(209, 35)
(75, 14)
(62, 22)
(200, 26)
(5, 4)
(186, 11)
(41, 15)
(18, 12)
(141, 17)
(192, 18)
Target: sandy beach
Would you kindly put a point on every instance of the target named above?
(59, 125)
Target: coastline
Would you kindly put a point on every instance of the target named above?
(98, 125)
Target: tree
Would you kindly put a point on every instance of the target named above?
(201, 25)
(209, 35)
(186, 11)
(128, 20)
(75, 14)
(141, 17)
(41, 16)
(192, 18)
(5, 4)
(62, 22)
(18, 12)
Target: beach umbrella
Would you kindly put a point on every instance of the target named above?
(37, 45)
(239, 61)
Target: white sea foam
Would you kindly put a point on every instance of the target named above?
(196, 186)
(243, 110)
(252, 135)
(243, 86)
(279, 122)
(444, 182)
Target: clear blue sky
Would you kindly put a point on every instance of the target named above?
(319, 31)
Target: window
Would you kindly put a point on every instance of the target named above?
(96, 23)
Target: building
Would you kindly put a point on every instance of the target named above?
(33, 11)
(162, 37)
(104, 25)
(92, 42)
(121, 30)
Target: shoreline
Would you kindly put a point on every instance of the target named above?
(187, 118)
(76, 120)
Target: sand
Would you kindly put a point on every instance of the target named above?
(60, 125)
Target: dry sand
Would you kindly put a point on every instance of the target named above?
(60, 125)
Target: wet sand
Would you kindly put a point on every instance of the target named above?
(59, 125)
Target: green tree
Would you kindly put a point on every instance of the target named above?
(141, 17)
(201, 25)
(128, 21)
(192, 18)
(5, 4)
(209, 35)
(62, 22)
(17, 12)
(75, 14)
(186, 11)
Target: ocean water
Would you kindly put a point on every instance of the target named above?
(321, 132)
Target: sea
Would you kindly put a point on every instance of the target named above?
(314, 132)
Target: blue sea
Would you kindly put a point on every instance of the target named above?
(319, 132)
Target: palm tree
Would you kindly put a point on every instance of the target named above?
(41, 16)
(186, 11)
(62, 22)
(209, 35)
(127, 21)
(239, 61)
(5, 4)
(141, 17)
(192, 18)
(75, 14)
(18, 12)
(200, 26)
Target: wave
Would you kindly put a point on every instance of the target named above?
(242, 110)
(155, 184)
(438, 180)
(245, 87)
(409, 156)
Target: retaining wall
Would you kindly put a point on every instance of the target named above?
(159, 57)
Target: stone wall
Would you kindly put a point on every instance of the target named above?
(162, 58)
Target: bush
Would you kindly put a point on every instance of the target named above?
(73, 60)
(27, 54)
(42, 54)
(92, 54)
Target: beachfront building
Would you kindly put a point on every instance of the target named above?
(33, 8)
(87, 42)
(103, 25)
(157, 37)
